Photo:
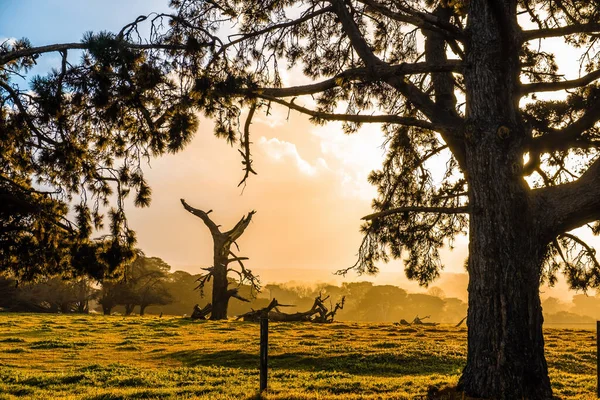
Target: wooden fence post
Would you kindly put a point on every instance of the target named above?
(264, 345)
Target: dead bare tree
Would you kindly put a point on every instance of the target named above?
(223, 256)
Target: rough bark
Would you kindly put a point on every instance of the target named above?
(505, 357)
(220, 297)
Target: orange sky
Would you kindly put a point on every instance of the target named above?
(310, 193)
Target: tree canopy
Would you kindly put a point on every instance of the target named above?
(73, 143)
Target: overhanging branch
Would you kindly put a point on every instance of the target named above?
(214, 228)
(564, 85)
(563, 208)
(399, 210)
(358, 118)
(560, 31)
(375, 73)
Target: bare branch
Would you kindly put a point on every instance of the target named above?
(15, 55)
(234, 233)
(234, 293)
(245, 142)
(214, 229)
(359, 118)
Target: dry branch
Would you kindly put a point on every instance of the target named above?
(318, 313)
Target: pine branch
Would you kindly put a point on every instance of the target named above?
(564, 85)
(358, 118)
(528, 35)
(373, 74)
(420, 19)
(565, 207)
(399, 210)
(571, 135)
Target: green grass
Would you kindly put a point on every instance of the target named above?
(98, 357)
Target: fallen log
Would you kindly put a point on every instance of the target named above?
(417, 321)
(318, 313)
(255, 315)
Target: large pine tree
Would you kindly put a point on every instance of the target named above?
(446, 79)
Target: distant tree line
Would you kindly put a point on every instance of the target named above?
(144, 282)
(148, 287)
(368, 302)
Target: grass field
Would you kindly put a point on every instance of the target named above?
(97, 357)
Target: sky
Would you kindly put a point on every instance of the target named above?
(310, 192)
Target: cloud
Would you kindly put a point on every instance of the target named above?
(282, 151)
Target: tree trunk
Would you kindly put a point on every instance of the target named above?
(106, 309)
(220, 295)
(505, 358)
(143, 309)
(129, 308)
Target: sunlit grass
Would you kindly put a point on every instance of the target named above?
(98, 357)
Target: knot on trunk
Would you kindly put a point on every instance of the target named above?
(503, 132)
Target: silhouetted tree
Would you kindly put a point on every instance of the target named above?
(110, 295)
(181, 286)
(223, 256)
(586, 305)
(552, 305)
(79, 135)
(422, 304)
(150, 282)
